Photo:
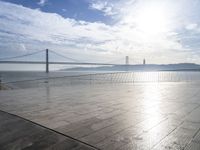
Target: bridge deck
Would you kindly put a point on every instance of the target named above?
(158, 116)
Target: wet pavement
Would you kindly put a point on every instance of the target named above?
(20, 134)
(143, 116)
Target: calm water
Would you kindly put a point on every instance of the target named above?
(12, 76)
(39, 79)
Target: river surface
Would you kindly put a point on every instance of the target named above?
(40, 79)
(13, 76)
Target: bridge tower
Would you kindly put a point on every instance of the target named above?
(127, 60)
(47, 61)
(144, 61)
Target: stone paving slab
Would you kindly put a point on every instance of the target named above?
(19, 134)
(147, 116)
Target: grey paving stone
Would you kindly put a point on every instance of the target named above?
(19, 134)
(112, 116)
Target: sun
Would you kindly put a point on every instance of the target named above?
(152, 20)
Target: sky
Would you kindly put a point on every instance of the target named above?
(161, 31)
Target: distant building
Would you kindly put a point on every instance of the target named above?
(144, 61)
(127, 60)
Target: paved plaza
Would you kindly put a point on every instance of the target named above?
(142, 116)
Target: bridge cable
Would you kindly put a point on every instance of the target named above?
(68, 58)
(75, 60)
(19, 56)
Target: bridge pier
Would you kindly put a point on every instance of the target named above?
(47, 61)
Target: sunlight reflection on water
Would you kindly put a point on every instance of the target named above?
(99, 78)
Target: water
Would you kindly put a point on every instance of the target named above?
(13, 76)
(39, 79)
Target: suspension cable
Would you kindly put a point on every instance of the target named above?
(64, 56)
(19, 56)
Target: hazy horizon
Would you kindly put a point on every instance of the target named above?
(162, 32)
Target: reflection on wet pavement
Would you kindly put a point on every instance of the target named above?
(115, 116)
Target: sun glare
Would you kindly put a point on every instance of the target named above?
(152, 20)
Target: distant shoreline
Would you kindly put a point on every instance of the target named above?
(140, 67)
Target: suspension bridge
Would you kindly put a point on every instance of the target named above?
(9, 60)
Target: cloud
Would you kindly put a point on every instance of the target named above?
(64, 10)
(94, 41)
(103, 6)
(191, 26)
(42, 2)
(22, 47)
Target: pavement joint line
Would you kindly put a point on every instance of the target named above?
(52, 130)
